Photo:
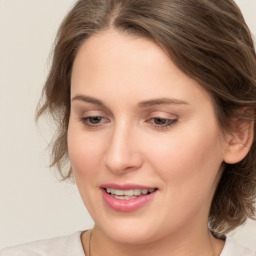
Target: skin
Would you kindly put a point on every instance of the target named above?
(127, 144)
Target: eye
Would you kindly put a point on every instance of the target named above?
(94, 121)
(162, 123)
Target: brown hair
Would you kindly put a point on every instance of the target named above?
(208, 40)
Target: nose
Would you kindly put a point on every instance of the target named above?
(122, 154)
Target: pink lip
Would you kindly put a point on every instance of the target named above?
(122, 205)
(125, 186)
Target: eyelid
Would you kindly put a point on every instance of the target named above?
(86, 116)
(93, 126)
(164, 126)
(80, 108)
(168, 118)
(162, 114)
(91, 112)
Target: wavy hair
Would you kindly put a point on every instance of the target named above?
(208, 40)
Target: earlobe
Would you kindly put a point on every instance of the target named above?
(239, 141)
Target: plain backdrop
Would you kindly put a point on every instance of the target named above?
(33, 204)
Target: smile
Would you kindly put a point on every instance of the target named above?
(128, 194)
(127, 198)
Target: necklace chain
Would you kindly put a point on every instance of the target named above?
(89, 244)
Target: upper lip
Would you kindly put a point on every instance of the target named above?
(125, 186)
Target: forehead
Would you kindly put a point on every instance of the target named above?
(116, 49)
(129, 65)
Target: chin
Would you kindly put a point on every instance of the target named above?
(131, 236)
(130, 231)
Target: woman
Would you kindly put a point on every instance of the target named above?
(155, 104)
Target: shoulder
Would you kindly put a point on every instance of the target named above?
(61, 246)
(232, 248)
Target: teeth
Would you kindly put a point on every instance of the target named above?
(127, 194)
(144, 191)
(136, 192)
(124, 197)
(119, 192)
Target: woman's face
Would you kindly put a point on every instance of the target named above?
(143, 140)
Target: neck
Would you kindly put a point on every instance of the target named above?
(193, 244)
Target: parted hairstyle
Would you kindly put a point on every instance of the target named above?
(208, 40)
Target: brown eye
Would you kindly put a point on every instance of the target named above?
(160, 121)
(163, 121)
(93, 120)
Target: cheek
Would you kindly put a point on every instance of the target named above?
(84, 152)
(189, 159)
(189, 170)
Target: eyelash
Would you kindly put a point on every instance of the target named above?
(168, 124)
(87, 121)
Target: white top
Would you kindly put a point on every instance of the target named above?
(72, 246)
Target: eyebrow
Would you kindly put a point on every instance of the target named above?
(142, 104)
(161, 101)
(87, 99)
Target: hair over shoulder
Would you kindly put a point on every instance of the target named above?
(208, 40)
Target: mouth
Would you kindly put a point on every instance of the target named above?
(127, 198)
(128, 194)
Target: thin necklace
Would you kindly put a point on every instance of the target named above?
(89, 244)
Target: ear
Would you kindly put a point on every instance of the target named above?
(239, 141)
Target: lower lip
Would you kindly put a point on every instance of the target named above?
(129, 205)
